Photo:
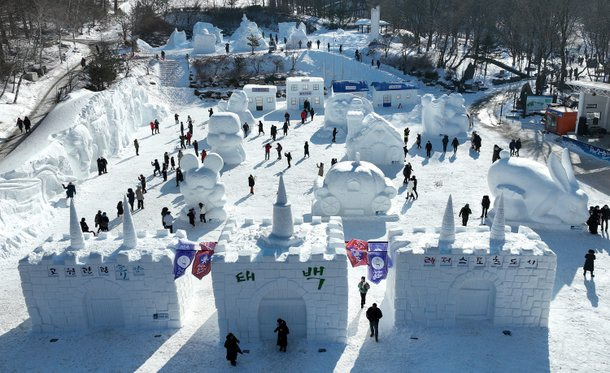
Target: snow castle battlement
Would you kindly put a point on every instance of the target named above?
(109, 281)
(470, 279)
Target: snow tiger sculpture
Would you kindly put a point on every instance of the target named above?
(534, 193)
(202, 184)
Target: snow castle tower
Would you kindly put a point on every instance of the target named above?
(282, 268)
(375, 18)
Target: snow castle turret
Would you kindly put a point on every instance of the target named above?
(282, 214)
(447, 233)
(130, 239)
(77, 241)
(497, 236)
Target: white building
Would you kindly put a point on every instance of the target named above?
(261, 97)
(446, 276)
(299, 89)
(593, 105)
(82, 282)
(393, 94)
(293, 271)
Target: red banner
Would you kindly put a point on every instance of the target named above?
(202, 263)
(357, 252)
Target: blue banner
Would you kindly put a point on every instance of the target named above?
(378, 261)
(185, 252)
(587, 148)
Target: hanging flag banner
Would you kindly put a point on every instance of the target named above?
(202, 264)
(185, 252)
(378, 261)
(357, 252)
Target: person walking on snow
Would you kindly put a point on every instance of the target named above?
(210, 112)
(267, 147)
(511, 146)
(179, 177)
(156, 126)
(320, 169)
(172, 163)
(168, 221)
(428, 149)
(142, 182)
(176, 116)
(405, 135)
(282, 334)
(20, 124)
(204, 154)
(140, 197)
(287, 117)
(191, 216)
(182, 146)
(152, 128)
(157, 167)
(181, 128)
(445, 142)
(306, 150)
(246, 128)
(418, 141)
(202, 213)
(311, 113)
(455, 143)
(414, 181)
(373, 314)
(410, 195)
(589, 263)
(303, 116)
(27, 124)
(517, 146)
(285, 128)
(279, 150)
(188, 138)
(605, 216)
(288, 158)
(485, 203)
(465, 213)
(273, 132)
(232, 346)
(406, 172)
(363, 287)
(335, 134)
(119, 209)
(70, 190)
(136, 145)
(251, 183)
(260, 128)
(131, 198)
(196, 147)
(180, 155)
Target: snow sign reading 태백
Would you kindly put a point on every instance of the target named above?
(185, 252)
(378, 261)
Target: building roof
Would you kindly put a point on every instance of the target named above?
(342, 86)
(260, 88)
(392, 86)
(599, 88)
(298, 79)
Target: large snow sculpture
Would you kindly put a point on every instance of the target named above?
(225, 137)
(376, 139)
(297, 35)
(177, 40)
(444, 115)
(534, 193)
(355, 188)
(204, 42)
(285, 28)
(202, 184)
(240, 36)
(199, 28)
(238, 104)
(338, 105)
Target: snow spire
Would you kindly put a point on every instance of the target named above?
(497, 234)
(447, 233)
(77, 241)
(282, 213)
(357, 158)
(130, 239)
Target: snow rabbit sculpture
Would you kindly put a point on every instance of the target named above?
(532, 192)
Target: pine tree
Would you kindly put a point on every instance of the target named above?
(103, 68)
(253, 42)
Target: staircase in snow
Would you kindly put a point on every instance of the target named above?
(172, 74)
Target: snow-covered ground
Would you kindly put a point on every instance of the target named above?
(577, 337)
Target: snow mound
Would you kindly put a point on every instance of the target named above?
(144, 47)
(297, 35)
(534, 193)
(338, 105)
(200, 27)
(204, 42)
(226, 138)
(240, 36)
(238, 104)
(285, 28)
(444, 115)
(374, 138)
(202, 184)
(177, 40)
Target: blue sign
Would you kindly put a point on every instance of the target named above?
(378, 261)
(587, 148)
(185, 252)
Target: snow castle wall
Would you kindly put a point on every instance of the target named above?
(69, 291)
(307, 290)
(513, 287)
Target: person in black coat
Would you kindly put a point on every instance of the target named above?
(70, 190)
(85, 227)
(445, 143)
(605, 215)
(251, 183)
(27, 124)
(593, 220)
(335, 134)
(414, 180)
(496, 154)
(232, 346)
(455, 144)
(485, 203)
(131, 198)
(373, 314)
(406, 172)
(589, 263)
(428, 149)
(418, 141)
(288, 158)
(282, 334)
(465, 213)
(119, 209)
(306, 150)
(179, 176)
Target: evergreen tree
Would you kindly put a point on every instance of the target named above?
(103, 68)
(253, 42)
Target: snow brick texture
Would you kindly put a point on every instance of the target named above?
(69, 291)
(309, 293)
(512, 288)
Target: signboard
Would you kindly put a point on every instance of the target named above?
(588, 148)
(496, 261)
(536, 104)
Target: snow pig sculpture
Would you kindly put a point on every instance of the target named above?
(225, 137)
(534, 193)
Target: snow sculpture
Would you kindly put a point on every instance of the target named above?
(225, 136)
(177, 40)
(282, 214)
(240, 36)
(376, 139)
(199, 28)
(202, 184)
(296, 35)
(285, 28)
(357, 188)
(338, 105)
(77, 241)
(204, 42)
(130, 239)
(447, 233)
(375, 17)
(534, 193)
(444, 115)
(238, 104)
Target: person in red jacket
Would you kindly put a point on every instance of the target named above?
(303, 116)
(152, 128)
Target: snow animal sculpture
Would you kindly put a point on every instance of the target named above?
(375, 139)
(444, 115)
(357, 188)
(199, 27)
(204, 42)
(534, 193)
(338, 105)
(240, 36)
(177, 40)
(297, 35)
(202, 184)
(225, 137)
(238, 104)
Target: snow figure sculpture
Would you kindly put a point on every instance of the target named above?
(338, 105)
(240, 36)
(77, 241)
(296, 35)
(225, 136)
(238, 104)
(376, 139)
(356, 188)
(199, 27)
(204, 42)
(177, 40)
(202, 184)
(285, 28)
(445, 115)
(130, 238)
(447, 233)
(534, 193)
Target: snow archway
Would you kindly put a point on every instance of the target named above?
(103, 305)
(473, 296)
